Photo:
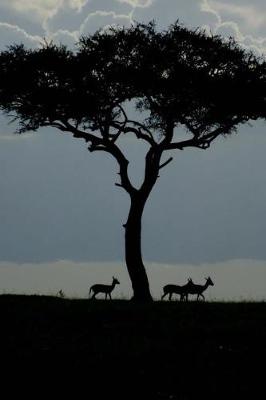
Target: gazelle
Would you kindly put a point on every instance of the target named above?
(199, 289)
(106, 289)
(177, 289)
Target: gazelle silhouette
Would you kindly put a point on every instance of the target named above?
(106, 289)
(177, 289)
(199, 289)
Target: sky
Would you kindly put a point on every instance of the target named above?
(61, 215)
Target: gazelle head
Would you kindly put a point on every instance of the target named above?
(115, 281)
(190, 281)
(209, 281)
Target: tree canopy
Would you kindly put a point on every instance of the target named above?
(179, 77)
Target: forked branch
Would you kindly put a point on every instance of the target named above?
(101, 144)
(202, 142)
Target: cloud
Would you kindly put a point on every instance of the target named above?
(103, 19)
(12, 137)
(245, 22)
(251, 15)
(65, 20)
(206, 7)
(77, 4)
(40, 9)
(73, 278)
(234, 280)
(10, 34)
(66, 37)
(137, 3)
(249, 42)
(168, 11)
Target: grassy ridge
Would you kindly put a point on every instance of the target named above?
(160, 351)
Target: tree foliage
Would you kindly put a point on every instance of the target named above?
(179, 77)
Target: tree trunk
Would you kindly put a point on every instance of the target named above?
(135, 266)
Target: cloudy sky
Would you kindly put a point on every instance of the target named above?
(61, 215)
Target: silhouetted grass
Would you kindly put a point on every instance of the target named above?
(164, 350)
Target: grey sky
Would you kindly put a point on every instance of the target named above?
(59, 202)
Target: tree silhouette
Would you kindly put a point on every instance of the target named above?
(178, 78)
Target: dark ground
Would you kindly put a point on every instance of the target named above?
(116, 349)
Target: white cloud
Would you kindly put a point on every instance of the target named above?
(230, 28)
(205, 7)
(249, 14)
(40, 9)
(245, 22)
(137, 3)
(77, 4)
(43, 10)
(103, 19)
(10, 34)
(65, 37)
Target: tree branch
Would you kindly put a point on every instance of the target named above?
(169, 133)
(199, 142)
(166, 162)
(121, 127)
(152, 167)
(65, 126)
(123, 112)
(119, 185)
(123, 165)
(142, 127)
(100, 144)
(114, 150)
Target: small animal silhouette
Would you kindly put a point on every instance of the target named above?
(177, 289)
(61, 294)
(106, 289)
(199, 289)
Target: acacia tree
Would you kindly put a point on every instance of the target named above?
(178, 78)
